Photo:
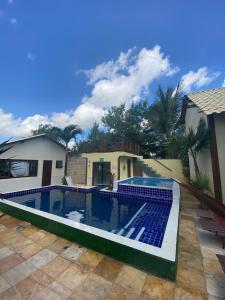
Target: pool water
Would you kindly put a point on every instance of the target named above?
(148, 181)
(132, 218)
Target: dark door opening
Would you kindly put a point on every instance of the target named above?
(101, 173)
(128, 168)
(47, 172)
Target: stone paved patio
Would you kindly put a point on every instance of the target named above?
(35, 264)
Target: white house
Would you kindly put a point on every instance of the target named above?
(209, 105)
(32, 162)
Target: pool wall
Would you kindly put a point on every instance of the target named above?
(161, 262)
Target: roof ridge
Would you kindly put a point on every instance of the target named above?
(205, 91)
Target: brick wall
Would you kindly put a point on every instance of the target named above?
(77, 169)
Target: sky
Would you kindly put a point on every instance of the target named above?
(67, 61)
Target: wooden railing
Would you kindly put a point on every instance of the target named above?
(123, 145)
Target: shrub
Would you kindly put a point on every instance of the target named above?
(201, 182)
(63, 180)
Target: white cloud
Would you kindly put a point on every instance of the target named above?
(13, 21)
(223, 85)
(31, 56)
(197, 79)
(126, 79)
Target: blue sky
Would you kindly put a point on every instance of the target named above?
(67, 61)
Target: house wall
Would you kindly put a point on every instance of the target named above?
(77, 169)
(220, 139)
(193, 115)
(34, 149)
(124, 168)
(111, 157)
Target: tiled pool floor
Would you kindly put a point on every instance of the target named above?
(35, 264)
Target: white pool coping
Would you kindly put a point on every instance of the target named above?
(169, 244)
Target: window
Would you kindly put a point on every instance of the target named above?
(59, 164)
(12, 168)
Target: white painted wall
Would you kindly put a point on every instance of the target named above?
(220, 139)
(40, 149)
(193, 115)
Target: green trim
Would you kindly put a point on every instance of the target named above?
(146, 262)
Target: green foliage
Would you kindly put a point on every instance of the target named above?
(194, 142)
(201, 182)
(132, 124)
(53, 132)
(63, 181)
(164, 113)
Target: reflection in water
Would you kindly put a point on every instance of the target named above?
(93, 209)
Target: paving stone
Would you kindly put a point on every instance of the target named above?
(56, 266)
(187, 278)
(157, 288)
(93, 288)
(188, 294)
(9, 262)
(11, 294)
(42, 258)
(18, 243)
(2, 227)
(60, 289)
(131, 279)
(30, 250)
(46, 241)
(47, 294)
(26, 268)
(59, 245)
(108, 268)
(5, 251)
(72, 277)
(28, 231)
(42, 278)
(90, 259)
(188, 260)
(73, 253)
(28, 288)
(216, 286)
(117, 292)
(212, 267)
(4, 285)
(13, 276)
(36, 236)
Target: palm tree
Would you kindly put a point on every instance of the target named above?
(65, 135)
(164, 115)
(194, 142)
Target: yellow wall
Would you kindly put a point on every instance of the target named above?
(173, 164)
(124, 169)
(220, 139)
(111, 157)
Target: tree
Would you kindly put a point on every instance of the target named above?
(63, 136)
(194, 142)
(51, 131)
(66, 134)
(164, 115)
(132, 124)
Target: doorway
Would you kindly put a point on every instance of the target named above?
(47, 172)
(101, 173)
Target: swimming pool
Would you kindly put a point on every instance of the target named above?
(136, 230)
(166, 183)
(137, 220)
